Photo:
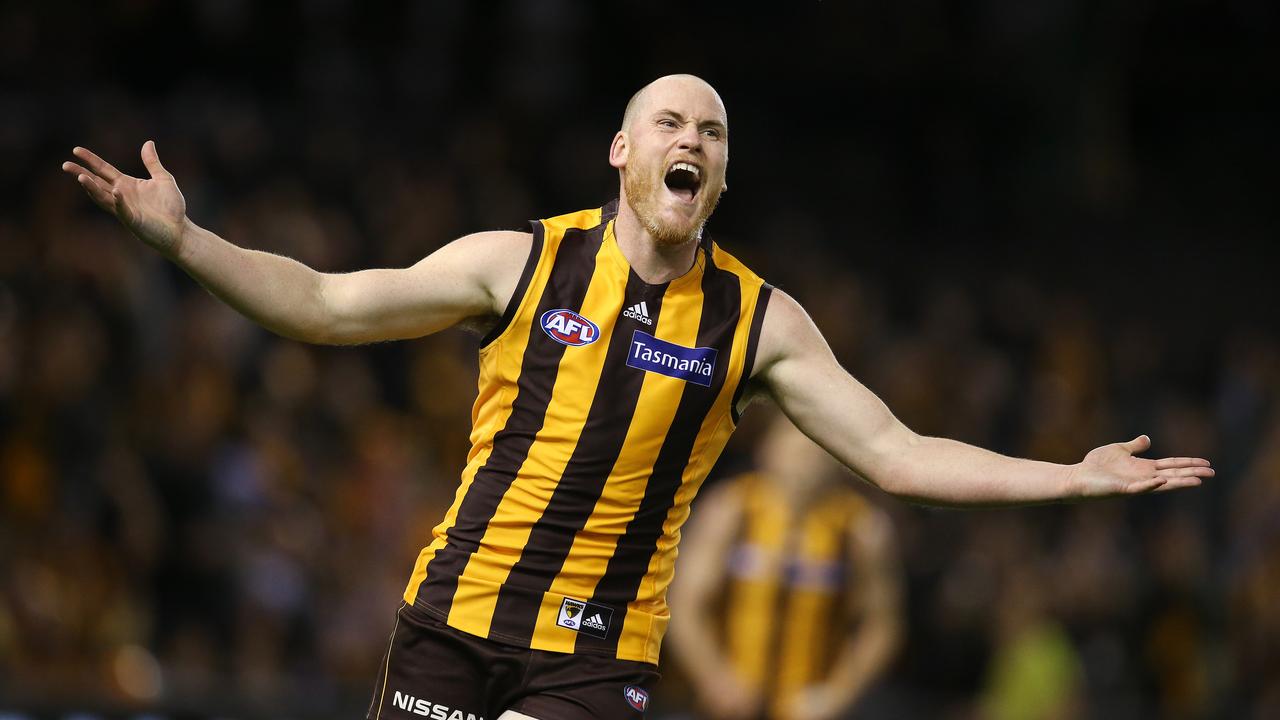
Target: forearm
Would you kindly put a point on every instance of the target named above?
(863, 660)
(940, 471)
(277, 292)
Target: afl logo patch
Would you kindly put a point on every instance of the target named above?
(569, 328)
(636, 697)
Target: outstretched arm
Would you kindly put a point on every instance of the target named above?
(796, 367)
(471, 277)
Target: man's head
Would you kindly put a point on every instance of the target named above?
(671, 154)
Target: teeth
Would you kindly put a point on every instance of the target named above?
(686, 166)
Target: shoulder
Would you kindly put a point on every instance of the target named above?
(481, 251)
(588, 219)
(489, 263)
(727, 262)
(496, 253)
(494, 244)
(785, 313)
(787, 330)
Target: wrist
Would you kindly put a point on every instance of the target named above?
(1072, 484)
(179, 251)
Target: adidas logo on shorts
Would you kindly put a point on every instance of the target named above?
(638, 312)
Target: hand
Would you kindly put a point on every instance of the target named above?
(816, 702)
(1113, 470)
(153, 210)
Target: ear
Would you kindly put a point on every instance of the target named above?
(619, 150)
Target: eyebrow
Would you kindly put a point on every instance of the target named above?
(705, 123)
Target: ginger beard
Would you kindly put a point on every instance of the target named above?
(645, 188)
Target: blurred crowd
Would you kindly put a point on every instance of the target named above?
(1039, 257)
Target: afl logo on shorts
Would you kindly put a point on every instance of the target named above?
(569, 328)
(636, 697)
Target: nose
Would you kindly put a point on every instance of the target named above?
(690, 137)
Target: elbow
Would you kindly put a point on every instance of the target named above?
(321, 326)
(330, 333)
(892, 468)
(311, 324)
(305, 333)
(317, 335)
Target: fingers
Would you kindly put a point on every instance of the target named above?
(74, 168)
(99, 194)
(1177, 462)
(1178, 484)
(1139, 444)
(1183, 472)
(100, 167)
(121, 208)
(152, 160)
(1176, 479)
(79, 170)
(98, 191)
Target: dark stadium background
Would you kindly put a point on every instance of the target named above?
(1036, 225)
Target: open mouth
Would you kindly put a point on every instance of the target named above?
(683, 180)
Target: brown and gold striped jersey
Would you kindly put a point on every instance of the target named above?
(603, 403)
(786, 601)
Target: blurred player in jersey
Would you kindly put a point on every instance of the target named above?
(788, 601)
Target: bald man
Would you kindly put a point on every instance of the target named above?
(619, 347)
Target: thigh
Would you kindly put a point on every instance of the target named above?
(584, 687)
(431, 670)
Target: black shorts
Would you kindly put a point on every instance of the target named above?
(434, 671)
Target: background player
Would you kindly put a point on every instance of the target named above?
(806, 613)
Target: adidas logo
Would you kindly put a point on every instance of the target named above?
(639, 312)
(585, 617)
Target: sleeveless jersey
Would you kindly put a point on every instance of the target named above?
(603, 403)
(787, 591)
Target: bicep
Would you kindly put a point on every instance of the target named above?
(473, 276)
(797, 369)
